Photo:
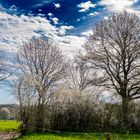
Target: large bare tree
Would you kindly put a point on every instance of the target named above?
(113, 49)
(44, 63)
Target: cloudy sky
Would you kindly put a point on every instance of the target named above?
(68, 22)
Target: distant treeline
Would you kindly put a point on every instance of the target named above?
(8, 111)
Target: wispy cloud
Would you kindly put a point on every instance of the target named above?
(64, 28)
(16, 29)
(93, 13)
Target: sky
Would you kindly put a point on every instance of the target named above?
(67, 22)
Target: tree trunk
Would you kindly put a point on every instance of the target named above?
(40, 116)
(125, 112)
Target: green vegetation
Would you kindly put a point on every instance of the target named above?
(63, 136)
(79, 136)
(9, 125)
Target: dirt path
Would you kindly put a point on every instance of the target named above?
(9, 135)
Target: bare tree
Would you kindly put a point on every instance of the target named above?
(25, 95)
(43, 62)
(5, 67)
(113, 49)
(78, 76)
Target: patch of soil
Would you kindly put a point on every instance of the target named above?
(9, 135)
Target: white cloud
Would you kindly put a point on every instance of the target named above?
(78, 19)
(57, 5)
(118, 5)
(105, 18)
(40, 10)
(16, 29)
(50, 14)
(13, 8)
(87, 33)
(40, 15)
(55, 20)
(70, 45)
(93, 14)
(63, 29)
(85, 6)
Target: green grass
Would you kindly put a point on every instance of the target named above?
(79, 136)
(125, 137)
(62, 136)
(9, 125)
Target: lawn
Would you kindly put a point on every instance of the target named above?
(63, 136)
(79, 136)
(9, 125)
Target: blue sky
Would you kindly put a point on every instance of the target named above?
(68, 22)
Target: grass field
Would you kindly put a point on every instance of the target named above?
(6, 126)
(78, 136)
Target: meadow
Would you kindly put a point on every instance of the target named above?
(9, 125)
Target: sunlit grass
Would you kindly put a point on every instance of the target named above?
(79, 136)
(63, 136)
(125, 136)
(9, 125)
